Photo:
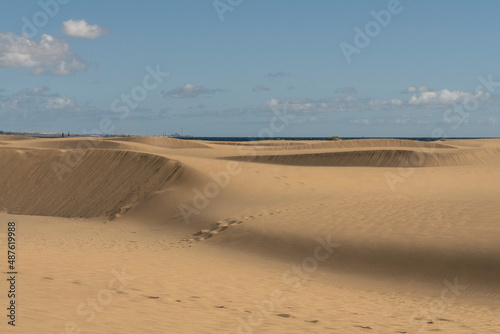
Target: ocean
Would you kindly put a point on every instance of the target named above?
(238, 139)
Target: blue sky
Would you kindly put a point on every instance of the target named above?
(275, 68)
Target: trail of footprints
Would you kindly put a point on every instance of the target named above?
(332, 212)
(222, 225)
(208, 233)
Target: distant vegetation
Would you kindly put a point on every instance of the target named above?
(334, 138)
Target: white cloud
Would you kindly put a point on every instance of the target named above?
(259, 88)
(425, 100)
(441, 98)
(37, 91)
(339, 104)
(190, 90)
(422, 99)
(393, 121)
(58, 103)
(384, 104)
(414, 89)
(81, 29)
(305, 106)
(347, 99)
(49, 55)
(37, 99)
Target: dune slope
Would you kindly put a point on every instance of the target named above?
(381, 158)
(79, 183)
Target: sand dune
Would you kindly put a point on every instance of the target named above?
(267, 143)
(77, 144)
(355, 143)
(11, 138)
(373, 143)
(212, 235)
(381, 158)
(79, 183)
(162, 142)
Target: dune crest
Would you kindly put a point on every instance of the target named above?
(381, 158)
(165, 142)
(86, 183)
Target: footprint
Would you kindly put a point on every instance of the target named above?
(364, 327)
(220, 226)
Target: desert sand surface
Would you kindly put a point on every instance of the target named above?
(160, 235)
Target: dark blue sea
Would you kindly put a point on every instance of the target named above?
(311, 138)
(240, 139)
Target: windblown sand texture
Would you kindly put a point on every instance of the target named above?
(159, 235)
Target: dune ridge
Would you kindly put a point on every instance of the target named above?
(326, 144)
(12, 138)
(165, 142)
(380, 158)
(101, 183)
